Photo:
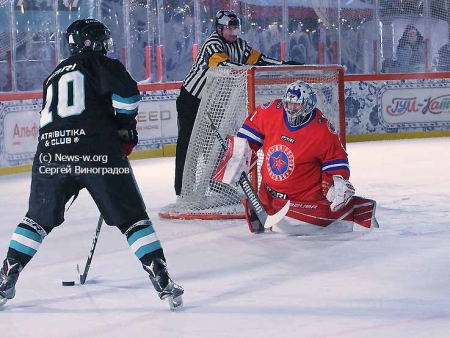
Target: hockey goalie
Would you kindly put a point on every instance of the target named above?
(304, 162)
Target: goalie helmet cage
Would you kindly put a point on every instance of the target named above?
(230, 94)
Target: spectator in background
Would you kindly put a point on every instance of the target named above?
(180, 38)
(271, 40)
(411, 51)
(444, 58)
(301, 47)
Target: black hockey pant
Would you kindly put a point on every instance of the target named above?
(187, 107)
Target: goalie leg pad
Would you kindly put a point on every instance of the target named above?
(295, 227)
(313, 218)
(364, 214)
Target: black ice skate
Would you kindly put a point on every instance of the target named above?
(9, 274)
(163, 284)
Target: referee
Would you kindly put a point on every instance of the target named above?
(222, 48)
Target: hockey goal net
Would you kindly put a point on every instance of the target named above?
(229, 96)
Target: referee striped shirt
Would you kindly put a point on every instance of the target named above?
(217, 52)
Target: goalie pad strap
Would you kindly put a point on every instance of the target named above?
(358, 210)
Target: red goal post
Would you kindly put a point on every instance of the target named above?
(230, 94)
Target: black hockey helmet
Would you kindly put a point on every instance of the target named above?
(88, 35)
(226, 18)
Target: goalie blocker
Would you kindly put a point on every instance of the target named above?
(238, 158)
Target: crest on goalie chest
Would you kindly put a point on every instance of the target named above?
(280, 162)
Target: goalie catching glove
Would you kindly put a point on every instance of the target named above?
(340, 193)
(238, 158)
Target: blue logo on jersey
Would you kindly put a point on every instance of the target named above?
(280, 163)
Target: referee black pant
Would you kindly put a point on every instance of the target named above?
(187, 108)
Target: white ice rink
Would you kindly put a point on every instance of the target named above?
(391, 282)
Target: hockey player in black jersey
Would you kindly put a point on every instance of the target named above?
(222, 48)
(87, 130)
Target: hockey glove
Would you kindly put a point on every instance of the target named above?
(128, 139)
(292, 63)
(237, 158)
(340, 193)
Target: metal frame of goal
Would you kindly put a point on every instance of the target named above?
(230, 94)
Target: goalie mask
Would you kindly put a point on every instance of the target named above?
(89, 35)
(298, 101)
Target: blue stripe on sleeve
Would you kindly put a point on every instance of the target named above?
(339, 164)
(126, 100)
(126, 111)
(251, 135)
(126, 105)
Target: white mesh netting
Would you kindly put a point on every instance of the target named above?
(228, 97)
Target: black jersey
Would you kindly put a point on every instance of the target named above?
(87, 98)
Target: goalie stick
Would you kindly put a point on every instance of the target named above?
(266, 220)
(91, 252)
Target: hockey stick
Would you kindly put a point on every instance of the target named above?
(91, 252)
(266, 220)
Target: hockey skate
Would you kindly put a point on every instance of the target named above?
(163, 284)
(9, 274)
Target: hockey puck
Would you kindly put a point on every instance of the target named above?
(71, 283)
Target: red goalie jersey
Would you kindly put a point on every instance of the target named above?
(299, 162)
(299, 165)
